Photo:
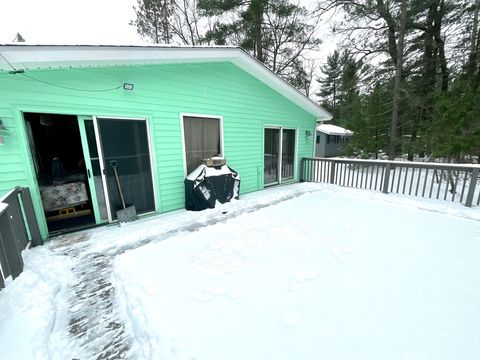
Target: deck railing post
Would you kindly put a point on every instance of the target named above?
(14, 265)
(4, 267)
(386, 178)
(302, 170)
(30, 217)
(471, 188)
(332, 172)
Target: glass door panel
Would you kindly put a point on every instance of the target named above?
(271, 156)
(125, 144)
(288, 154)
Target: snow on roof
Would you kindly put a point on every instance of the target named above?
(33, 57)
(330, 129)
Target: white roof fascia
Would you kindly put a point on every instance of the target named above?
(47, 57)
(262, 73)
(31, 57)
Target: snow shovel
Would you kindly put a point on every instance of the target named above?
(128, 213)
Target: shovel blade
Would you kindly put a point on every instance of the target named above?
(127, 215)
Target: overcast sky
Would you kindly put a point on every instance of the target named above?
(88, 22)
(68, 21)
(72, 22)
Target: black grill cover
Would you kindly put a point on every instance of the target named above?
(206, 185)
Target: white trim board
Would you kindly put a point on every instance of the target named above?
(32, 57)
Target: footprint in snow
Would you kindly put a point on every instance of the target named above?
(301, 280)
(235, 294)
(202, 296)
(349, 227)
(291, 318)
(341, 252)
(218, 291)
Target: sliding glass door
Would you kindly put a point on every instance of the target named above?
(288, 154)
(271, 156)
(279, 155)
(125, 148)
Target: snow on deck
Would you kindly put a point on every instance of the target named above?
(305, 271)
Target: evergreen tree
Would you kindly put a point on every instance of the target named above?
(349, 94)
(455, 133)
(339, 86)
(18, 38)
(154, 20)
(330, 83)
(370, 123)
(276, 32)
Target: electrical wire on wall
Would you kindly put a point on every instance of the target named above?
(21, 72)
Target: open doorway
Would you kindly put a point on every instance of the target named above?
(59, 162)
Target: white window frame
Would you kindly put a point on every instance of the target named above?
(182, 130)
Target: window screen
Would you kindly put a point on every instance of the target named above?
(202, 140)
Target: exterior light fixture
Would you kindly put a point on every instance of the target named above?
(2, 126)
(308, 134)
(128, 86)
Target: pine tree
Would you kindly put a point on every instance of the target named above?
(339, 86)
(330, 83)
(18, 38)
(276, 32)
(154, 20)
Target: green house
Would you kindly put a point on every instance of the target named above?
(69, 114)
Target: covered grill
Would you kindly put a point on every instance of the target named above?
(208, 184)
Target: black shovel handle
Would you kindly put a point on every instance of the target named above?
(113, 164)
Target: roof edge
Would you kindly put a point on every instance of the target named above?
(30, 56)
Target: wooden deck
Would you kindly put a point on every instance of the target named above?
(95, 326)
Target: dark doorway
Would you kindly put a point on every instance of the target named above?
(57, 153)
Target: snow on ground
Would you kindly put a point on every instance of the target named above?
(101, 239)
(305, 271)
(333, 274)
(28, 306)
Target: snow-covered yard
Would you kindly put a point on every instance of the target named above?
(306, 271)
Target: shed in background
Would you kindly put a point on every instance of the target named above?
(330, 140)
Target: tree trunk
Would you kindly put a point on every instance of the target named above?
(398, 78)
(411, 147)
(257, 8)
(387, 16)
(472, 62)
(440, 43)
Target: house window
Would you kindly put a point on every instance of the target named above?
(202, 140)
(318, 139)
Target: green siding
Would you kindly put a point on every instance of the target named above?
(161, 94)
